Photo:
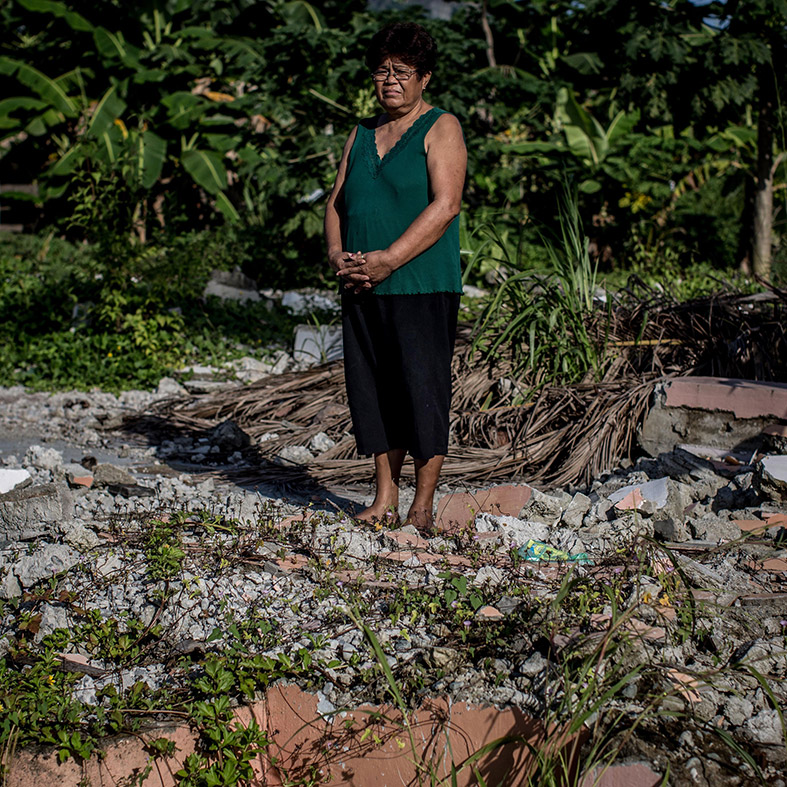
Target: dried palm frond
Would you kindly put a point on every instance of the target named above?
(504, 427)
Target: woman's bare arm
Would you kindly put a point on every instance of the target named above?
(337, 257)
(446, 163)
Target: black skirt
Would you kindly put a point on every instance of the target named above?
(397, 365)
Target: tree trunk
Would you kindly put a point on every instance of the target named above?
(490, 42)
(763, 198)
(746, 231)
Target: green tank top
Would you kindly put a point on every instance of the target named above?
(382, 197)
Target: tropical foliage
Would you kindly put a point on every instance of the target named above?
(235, 111)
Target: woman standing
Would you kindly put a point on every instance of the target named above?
(392, 233)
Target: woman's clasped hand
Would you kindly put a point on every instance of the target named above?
(361, 271)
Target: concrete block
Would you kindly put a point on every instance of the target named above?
(712, 411)
(742, 398)
(772, 477)
(32, 512)
(11, 479)
(317, 343)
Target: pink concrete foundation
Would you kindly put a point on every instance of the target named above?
(367, 747)
(743, 398)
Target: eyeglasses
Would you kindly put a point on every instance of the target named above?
(400, 74)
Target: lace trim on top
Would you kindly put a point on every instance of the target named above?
(373, 160)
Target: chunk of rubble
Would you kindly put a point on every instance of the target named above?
(168, 386)
(229, 437)
(314, 344)
(13, 479)
(308, 302)
(775, 438)
(721, 577)
(31, 512)
(231, 286)
(321, 443)
(43, 458)
(250, 370)
(9, 584)
(772, 477)
(77, 476)
(546, 509)
(575, 511)
(111, 475)
(514, 531)
(294, 455)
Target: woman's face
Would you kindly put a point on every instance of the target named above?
(394, 92)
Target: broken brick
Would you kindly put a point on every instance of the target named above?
(756, 526)
(291, 563)
(406, 540)
(457, 512)
(489, 613)
(631, 502)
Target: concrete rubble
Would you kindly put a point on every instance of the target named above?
(718, 526)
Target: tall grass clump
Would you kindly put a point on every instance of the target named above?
(543, 319)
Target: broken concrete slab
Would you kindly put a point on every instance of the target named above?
(77, 476)
(714, 529)
(12, 479)
(772, 477)
(110, 475)
(742, 398)
(458, 511)
(231, 286)
(45, 562)
(315, 344)
(655, 492)
(714, 411)
(32, 512)
(722, 577)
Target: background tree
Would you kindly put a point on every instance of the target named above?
(170, 116)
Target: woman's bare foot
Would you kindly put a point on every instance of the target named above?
(377, 512)
(421, 519)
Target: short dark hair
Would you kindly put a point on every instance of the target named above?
(407, 40)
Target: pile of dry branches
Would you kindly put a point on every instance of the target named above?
(502, 428)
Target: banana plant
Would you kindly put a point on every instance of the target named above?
(135, 115)
(580, 136)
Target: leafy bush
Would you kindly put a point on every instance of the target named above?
(77, 317)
